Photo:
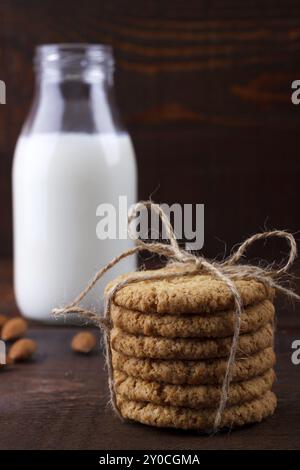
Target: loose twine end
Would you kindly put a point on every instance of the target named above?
(227, 271)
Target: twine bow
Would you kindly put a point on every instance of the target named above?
(227, 271)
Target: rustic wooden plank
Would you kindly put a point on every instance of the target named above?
(59, 400)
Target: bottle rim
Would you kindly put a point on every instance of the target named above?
(73, 55)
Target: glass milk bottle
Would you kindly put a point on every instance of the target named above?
(73, 154)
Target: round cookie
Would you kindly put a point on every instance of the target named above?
(214, 325)
(192, 293)
(186, 348)
(191, 396)
(193, 372)
(201, 420)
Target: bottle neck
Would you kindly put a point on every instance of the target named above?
(74, 93)
(93, 85)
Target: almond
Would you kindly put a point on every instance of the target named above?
(83, 342)
(14, 328)
(3, 320)
(22, 350)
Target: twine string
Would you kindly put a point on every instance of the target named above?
(227, 271)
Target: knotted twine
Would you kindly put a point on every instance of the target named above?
(227, 271)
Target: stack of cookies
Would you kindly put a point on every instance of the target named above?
(170, 343)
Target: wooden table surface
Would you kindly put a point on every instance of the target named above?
(60, 400)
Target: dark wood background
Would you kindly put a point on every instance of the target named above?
(205, 90)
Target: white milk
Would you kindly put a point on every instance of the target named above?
(59, 179)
